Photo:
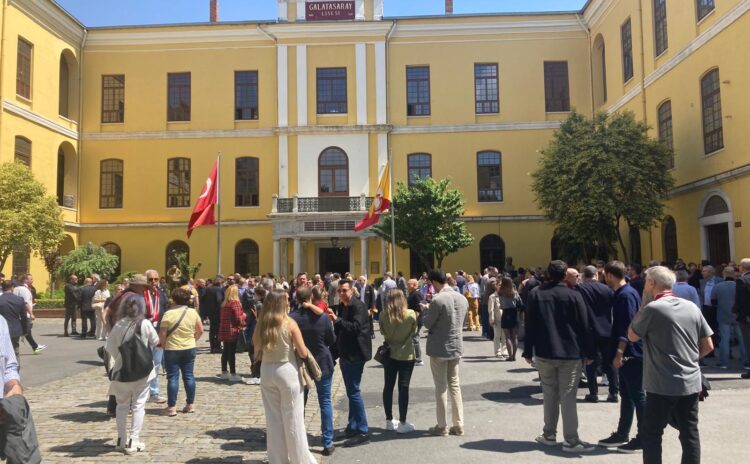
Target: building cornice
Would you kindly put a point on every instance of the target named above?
(37, 118)
(711, 181)
(519, 218)
(483, 127)
(303, 30)
(452, 28)
(594, 10)
(53, 18)
(109, 38)
(152, 225)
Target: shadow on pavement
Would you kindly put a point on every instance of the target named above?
(223, 460)
(94, 405)
(85, 448)
(83, 417)
(380, 435)
(247, 434)
(499, 445)
(90, 363)
(521, 370)
(517, 395)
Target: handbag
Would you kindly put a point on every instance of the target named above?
(383, 353)
(137, 359)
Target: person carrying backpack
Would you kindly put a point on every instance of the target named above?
(129, 344)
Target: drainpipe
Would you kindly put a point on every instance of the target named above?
(2, 60)
(585, 27)
(80, 127)
(643, 63)
(388, 135)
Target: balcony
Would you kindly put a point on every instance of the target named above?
(320, 204)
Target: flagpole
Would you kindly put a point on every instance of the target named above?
(218, 213)
(393, 215)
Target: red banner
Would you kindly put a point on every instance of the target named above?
(329, 10)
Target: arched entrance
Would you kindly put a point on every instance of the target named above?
(246, 258)
(717, 228)
(669, 240)
(66, 175)
(491, 252)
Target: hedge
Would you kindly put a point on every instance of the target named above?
(49, 304)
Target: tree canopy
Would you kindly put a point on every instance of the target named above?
(427, 220)
(89, 259)
(29, 218)
(599, 174)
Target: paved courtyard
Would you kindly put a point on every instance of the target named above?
(502, 402)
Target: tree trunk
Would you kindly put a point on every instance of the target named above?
(439, 259)
(3, 259)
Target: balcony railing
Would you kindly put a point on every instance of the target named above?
(320, 204)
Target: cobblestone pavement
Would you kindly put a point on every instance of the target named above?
(228, 426)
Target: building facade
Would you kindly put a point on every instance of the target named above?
(124, 124)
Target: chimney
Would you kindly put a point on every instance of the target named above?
(214, 14)
(449, 7)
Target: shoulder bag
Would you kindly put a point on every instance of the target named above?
(137, 359)
(383, 353)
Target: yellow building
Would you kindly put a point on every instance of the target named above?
(124, 124)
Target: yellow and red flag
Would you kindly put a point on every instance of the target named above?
(380, 203)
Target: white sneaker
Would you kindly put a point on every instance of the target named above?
(405, 427)
(120, 445)
(391, 425)
(223, 376)
(235, 378)
(157, 399)
(419, 363)
(135, 446)
(252, 381)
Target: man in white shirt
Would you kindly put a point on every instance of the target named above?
(28, 299)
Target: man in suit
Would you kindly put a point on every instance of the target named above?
(71, 304)
(709, 310)
(13, 309)
(87, 309)
(211, 308)
(367, 297)
(742, 303)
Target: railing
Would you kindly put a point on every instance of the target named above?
(320, 204)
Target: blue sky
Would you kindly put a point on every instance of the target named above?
(122, 12)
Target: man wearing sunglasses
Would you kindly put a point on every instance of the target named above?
(156, 304)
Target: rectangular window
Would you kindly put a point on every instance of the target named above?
(23, 69)
(246, 182)
(22, 151)
(417, 90)
(486, 89)
(626, 37)
(178, 183)
(245, 95)
(111, 184)
(713, 126)
(420, 167)
(665, 128)
(178, 97)
(489, 176)
(113, 98)
(556, 89)
(21, 261)
(331, 90)
(704, 8)
(661, 41)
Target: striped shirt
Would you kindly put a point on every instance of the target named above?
(8, 362)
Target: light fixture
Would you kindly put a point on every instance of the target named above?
(335, 242)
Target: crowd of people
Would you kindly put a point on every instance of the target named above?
(645, 331)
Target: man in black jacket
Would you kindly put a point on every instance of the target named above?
(87, 309)
(354, 345)
(742, 303)
(558, 335)
(13, 309)
(71, 304)
(211, 308)
(598, 299)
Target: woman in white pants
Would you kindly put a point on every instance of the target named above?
(130, 395)
(495, 308)
(100, 298)
(276, 338)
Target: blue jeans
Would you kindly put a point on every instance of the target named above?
(323, 386)
(158, 354)
(352, 373)
(176, 361)
(632, 396)
(727, 331)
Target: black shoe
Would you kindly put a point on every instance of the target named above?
(746, 375)
(66, 334)
(359, 439)
(74, 333)
(614, 440)
(83, 337)
(348, 433)
(583, 383)
(632, 447)
(613, 399)
(591, 398)
(329, 451)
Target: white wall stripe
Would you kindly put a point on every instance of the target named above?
(360, 52)
(282, 80)
(301, 85)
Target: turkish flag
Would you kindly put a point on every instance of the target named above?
(380, 203)
(203, 213)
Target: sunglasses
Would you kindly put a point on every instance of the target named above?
(343, 290)
(153, 279)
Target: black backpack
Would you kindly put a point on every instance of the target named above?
(137, 359)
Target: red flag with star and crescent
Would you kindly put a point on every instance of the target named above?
(380, 203)
(203, 213)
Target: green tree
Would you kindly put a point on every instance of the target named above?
(29, 218)
(89, 259)
(183, 264)
(52, 262)
(428, 220)
(600, 174)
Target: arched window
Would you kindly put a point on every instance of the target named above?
(713, 126)
(114, 249)
(60, 176)
(661, 38)
(111, 183)
(714, 206)
(665, 128)
(246, 186)
(173, 249)
(22, 150)
(246, 258)
(600, 71)
(21, 260)
(704, 8)
(63, 106)
(635, 245)
(178, 183)
(669, 231)
(492, 252)
(420, 166)
(489, 176)
(333, 173)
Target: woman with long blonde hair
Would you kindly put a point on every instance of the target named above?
(276, 339)
(232, 322)
(398, 324)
